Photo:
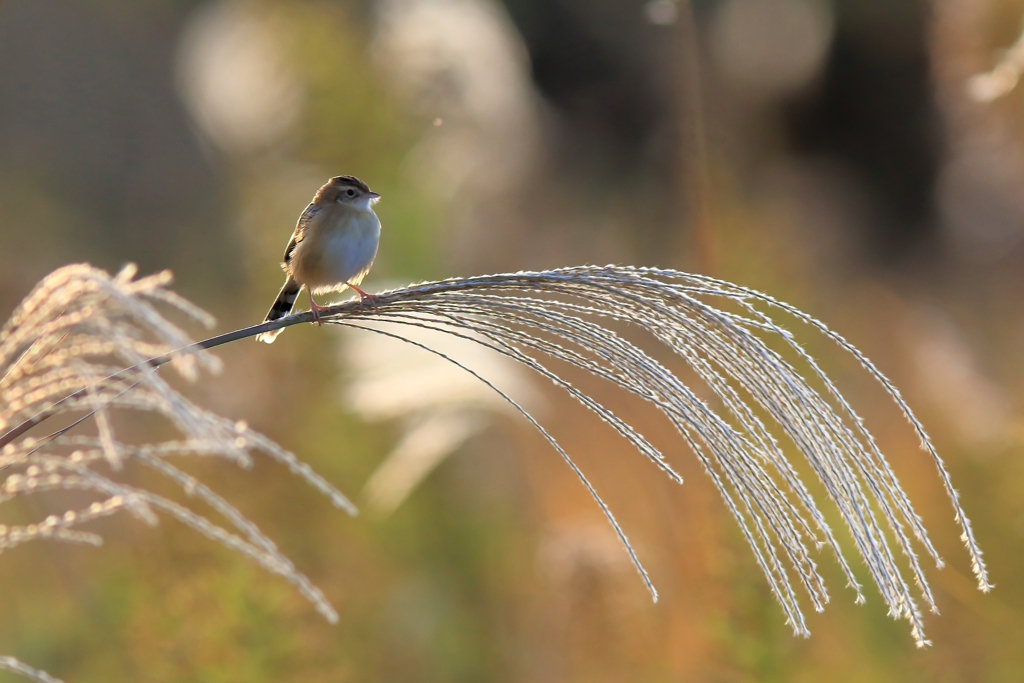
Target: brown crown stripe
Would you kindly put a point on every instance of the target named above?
(350, 180)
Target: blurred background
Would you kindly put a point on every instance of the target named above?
(860, 159)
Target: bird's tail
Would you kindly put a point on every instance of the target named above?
(282, 306)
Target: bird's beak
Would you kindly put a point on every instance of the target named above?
(373, 195)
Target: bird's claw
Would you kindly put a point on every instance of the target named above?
(366, 298)
(370, 299)
(315, 310)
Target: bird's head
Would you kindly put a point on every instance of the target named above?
(347, 190)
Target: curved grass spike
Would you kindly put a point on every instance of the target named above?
(86, 342)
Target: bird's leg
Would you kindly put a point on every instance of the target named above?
(364, 297)
(314, 309)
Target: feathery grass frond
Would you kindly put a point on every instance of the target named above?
(65, 349)
(85, 342)
(722, 331)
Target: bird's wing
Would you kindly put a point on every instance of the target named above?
(300, 231)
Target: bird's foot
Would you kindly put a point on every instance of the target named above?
(365, 298)
(315, 310)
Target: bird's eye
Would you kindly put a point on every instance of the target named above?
(350, 192)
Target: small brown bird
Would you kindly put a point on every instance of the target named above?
(333, 247)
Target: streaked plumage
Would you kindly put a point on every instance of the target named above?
(332, 248)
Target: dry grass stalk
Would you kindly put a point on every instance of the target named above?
(533, 317)
(70, 338)
(19, 667)
(65, 347)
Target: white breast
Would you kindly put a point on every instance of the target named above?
(349, 253)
